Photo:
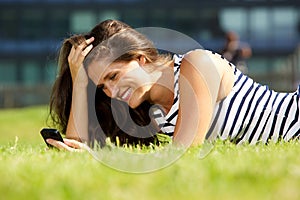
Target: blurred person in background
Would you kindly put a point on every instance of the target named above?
(236, 52)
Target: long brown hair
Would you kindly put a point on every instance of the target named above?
(124, 46)
(110, 118)
(61, 96)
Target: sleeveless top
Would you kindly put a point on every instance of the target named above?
(167, 122)
(251, 112)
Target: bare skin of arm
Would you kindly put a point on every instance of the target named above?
(77, 128)
(205, 79)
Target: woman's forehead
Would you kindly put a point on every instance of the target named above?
(97, 70)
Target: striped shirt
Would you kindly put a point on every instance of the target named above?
(167, 122)
(251, 112)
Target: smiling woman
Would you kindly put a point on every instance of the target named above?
(69, 83)
(128, 70)
(191, 97)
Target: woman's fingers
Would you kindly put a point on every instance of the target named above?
(81, 50)
(90, 40)
(71, 54)
(85, 43)
(84, 48)
(63, 146)
(74, 143)
(87, 50)
(77, 55)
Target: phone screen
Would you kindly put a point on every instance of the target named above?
(51, 133)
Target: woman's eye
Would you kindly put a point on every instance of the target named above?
(113, 76)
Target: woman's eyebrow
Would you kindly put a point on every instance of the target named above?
(107, 76)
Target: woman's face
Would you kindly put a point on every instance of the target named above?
(125, 81)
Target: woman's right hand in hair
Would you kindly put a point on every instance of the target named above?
(75, 59)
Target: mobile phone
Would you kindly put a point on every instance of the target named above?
(51, 133)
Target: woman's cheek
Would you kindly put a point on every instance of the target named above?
(135, 99)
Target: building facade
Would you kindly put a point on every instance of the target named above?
(31, 32)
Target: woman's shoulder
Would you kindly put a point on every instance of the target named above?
(199, 60)
(209, 64)
(203, 57)
(202, 52)
(194, 52)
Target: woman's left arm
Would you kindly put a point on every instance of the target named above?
(205, 78)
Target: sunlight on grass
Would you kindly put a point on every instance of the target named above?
(29, 171)
(24, 123)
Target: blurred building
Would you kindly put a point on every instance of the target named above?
(31, 32)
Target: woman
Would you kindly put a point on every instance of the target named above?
(198, 96)
(62, 92)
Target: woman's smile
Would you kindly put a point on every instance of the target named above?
(126, 94)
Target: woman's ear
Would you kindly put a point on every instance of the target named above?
(142, 60)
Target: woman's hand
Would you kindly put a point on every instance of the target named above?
(69, 145)
(79, 107)
(76, 57)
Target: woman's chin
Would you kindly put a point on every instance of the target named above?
(132, 103)
(135, 100)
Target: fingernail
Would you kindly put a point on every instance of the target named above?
(49, 140)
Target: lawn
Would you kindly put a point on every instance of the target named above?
(29, 171)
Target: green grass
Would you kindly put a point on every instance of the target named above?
(29, 171)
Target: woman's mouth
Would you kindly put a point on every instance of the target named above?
(126, 94)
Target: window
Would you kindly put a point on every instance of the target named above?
(285, 23)
(260, 23)
(32, 24)
(31, 73)
(108, 14)
(135, 18)
(82, 21)
(58, 24)
(8, 24)
(159, 18)
(50, 72)
(234, 19)
(8, 73)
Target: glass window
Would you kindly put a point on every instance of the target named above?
(183, 14)
(82, 21)
(279, 63)
(159, 19)
(285, 22)
(58, 23)
(184, 20)
(30, 73)
(108, 14)
(50, 72)
(260, 23)
(135, 18)
(8, 24)
(8, 73)
(32, 24)
(234, 19)
(258, 65)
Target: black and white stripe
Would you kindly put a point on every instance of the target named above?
(253, 113)
(250, 113)
(167, 121)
